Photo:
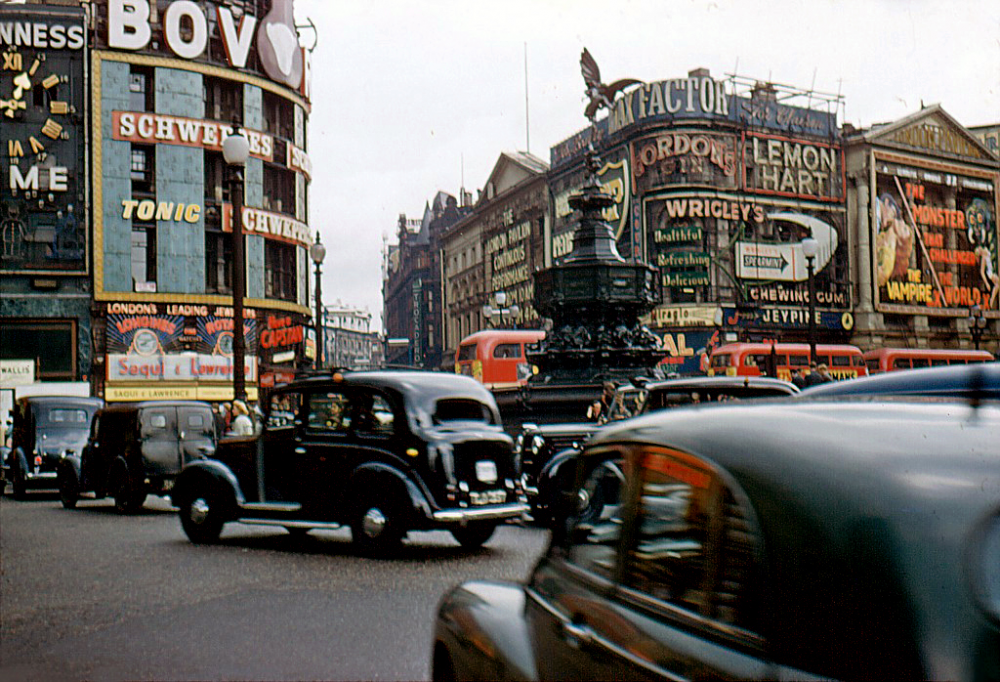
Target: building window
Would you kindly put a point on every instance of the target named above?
(279, 189)
(141, 169)
(141, 95)
(218, 262)
(143, 254)
(216, 187)
(279, 264)
(223, 99)
(279, 116)
(50, 343)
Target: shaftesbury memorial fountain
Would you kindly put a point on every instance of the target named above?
(594, 299)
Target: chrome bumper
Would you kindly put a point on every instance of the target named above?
(40, 476)
(492, 512)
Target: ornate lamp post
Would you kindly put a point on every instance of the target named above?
(495, 314)
(977, 324)
(317, 252)
(810, 247)
(236, 150)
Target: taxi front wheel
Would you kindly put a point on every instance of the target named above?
(377, 526)
(201, 515)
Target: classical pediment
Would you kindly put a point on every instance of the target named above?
(511, 169)
(932, 131)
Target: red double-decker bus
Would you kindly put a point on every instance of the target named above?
(753, 359)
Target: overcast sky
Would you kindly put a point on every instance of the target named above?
(408, 94)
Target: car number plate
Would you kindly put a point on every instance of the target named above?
(486, 471)
(488, 497)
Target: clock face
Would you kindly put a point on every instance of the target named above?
(35, 96)
(145, 342)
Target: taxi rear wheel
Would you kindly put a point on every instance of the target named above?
(69, 488)
(129, 498)
(377, 526)
(475, 534)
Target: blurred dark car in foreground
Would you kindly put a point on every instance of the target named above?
(46, 430)
(971, 382)
(806, 539)
(543, 450)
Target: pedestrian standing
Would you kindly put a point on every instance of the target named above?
(242, 424)
(797, 378)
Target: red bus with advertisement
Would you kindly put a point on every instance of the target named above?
(891, 359)
(753, 359)
(496, 357)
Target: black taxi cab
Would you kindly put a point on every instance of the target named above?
(821, 539)
(383, 452)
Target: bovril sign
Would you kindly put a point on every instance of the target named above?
(185, 30)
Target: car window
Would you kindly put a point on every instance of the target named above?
(461, 409)
(840, 360)
(507, 351)
(154, 423)
(329, 411)
(67, 417)
(197, 424)
(282, 409)
(375, 416)
(695, 544)
(901, 363)
(467, 352)
(594, 530)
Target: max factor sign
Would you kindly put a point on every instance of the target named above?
(185, 31)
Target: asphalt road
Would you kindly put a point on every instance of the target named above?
(88, 594)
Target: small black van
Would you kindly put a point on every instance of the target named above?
(137, 449)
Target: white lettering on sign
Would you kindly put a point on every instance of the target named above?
(297, 159)
(179, 367)
(236, 41)
(790, 167)
(128, 24)
(41, 36)
(134, 126)
(272, 225)
(190, 48)
(57, 177)
(185, 28)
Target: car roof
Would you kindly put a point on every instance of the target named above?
(63, 400)
(722, 382)
(842, 487)
(128, 407)
(416, 385)
(980, 380)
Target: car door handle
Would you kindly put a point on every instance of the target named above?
(300, 451)
(577, 635)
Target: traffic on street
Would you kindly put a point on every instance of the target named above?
(91, 594)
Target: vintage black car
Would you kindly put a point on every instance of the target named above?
(137, 449)
(382, 452)
(45, 430)
(542, 449)
(792, 540)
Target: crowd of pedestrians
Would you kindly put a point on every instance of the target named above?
(818, 374)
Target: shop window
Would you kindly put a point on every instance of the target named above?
(279, 266)
(279, 189)
(142, 169)
(52, 344)
(141, 94)
(144, 256)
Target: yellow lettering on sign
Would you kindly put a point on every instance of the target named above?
(677, 347)
(52, 129)
(36, 146)
(14, 148)
(50, 81)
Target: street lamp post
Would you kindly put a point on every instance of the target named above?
(810, 247)
(236, 150)
(318, 252)
(497, 312)
(977, 324)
